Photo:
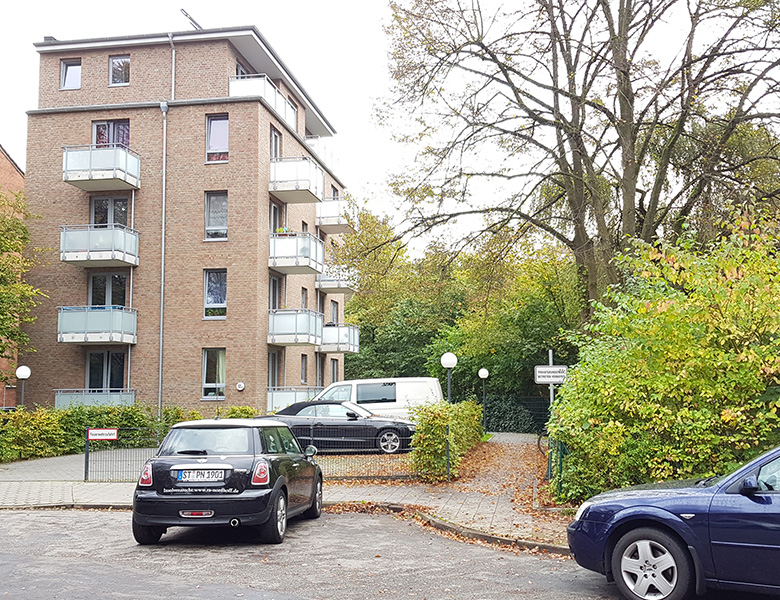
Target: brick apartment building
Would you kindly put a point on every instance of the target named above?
(189, 211)
(11, 181)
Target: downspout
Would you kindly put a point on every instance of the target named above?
(130, 346)
(173, 67)
(164, 109)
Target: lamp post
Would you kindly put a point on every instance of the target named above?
(23, 374)
(448, 361)
(483, 375)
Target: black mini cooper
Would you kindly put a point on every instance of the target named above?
(237, 472)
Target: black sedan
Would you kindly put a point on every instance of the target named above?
(237, 472)
(331, 425)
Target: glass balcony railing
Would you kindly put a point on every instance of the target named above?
(332, 217)
(296, 180)
(279, 397)
(342, 338)
(296, 253)
(337, 281)
(96, 397)
(242, 86)
(101, 167)
(295, 327)
(111, 245)
(97, 324)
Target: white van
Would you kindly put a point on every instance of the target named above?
(388, 397)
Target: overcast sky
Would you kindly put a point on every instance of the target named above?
(335, 48)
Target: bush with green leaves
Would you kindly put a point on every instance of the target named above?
(678, 369)
(429, 443)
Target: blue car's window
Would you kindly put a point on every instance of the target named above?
(769, 476)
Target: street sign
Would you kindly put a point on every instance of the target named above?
(550, 374)
(108, 433)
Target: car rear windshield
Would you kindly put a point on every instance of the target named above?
(205, 441)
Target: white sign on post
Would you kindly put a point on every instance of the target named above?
(550, 374)
(107, 433)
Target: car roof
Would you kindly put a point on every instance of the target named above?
(224, 423)
(294, 408)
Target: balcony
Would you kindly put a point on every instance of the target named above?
(96, 397)
(332, 217)
(296, 253)
(97, 325)
(279, 397)
(336, 281)
(103, 167)
(294, 327)
(248, 86)
(341, 338)
(99, 245)
(296, 180)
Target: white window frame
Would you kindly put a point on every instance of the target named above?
(275, 148)
(218, 306)
(217, 150)
(334, 311)
(216, 386)
(214, 229)
(111, 61)
(304, 369)
(65, 65)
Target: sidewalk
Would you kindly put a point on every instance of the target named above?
(58, 482)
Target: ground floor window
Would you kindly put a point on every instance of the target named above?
(213, 373)
(334, 370)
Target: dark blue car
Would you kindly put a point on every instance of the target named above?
(666, 541)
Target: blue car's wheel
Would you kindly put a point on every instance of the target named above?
(649, 564)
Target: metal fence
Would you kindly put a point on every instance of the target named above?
(340, 456)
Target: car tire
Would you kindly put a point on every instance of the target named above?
(315, 510)
(146, 534)
(388, 441)
(649, 564)
(274, 529)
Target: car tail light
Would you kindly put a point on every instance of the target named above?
(146, 476)
(261, 475)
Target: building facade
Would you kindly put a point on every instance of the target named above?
(11, 182)
(190, 214)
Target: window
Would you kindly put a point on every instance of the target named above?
(107, 289)
(274, 292)
(119, 70)
(304, 298)
(334, 370)
(769, 477)
(375, 392)
(108, 211)
(216, 138)
(241, 71)
(276, 143)
(334, 192)
(215, 294)
(320, 360)
(304, 368)
(105, 133)
(320, 302)
(273, 369)
(216, 215)
(274, 217)
(213, 374)
(289, 442)
(105, 370)
(340, 393)
(304, 227)
(70, 74)
(334, 311)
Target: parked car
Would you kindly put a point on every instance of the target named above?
(237, 472)
(666, 541)
(333, 425)
(392, 397)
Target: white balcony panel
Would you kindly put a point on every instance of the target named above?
(97, 325)
(296, 253)
(280, 397)
(296, 180)
(101, 168)
(249, 86)
(332, 217)
(294, 327)
(97, 397)
(336, 281)
(99, 245)
(340, 338)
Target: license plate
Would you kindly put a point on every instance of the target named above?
(201, 475)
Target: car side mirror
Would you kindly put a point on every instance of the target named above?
(352, 416)
(310, 451)
(748, 486)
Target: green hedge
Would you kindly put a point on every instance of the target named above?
(429, 443)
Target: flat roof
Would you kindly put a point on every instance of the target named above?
(247, 40)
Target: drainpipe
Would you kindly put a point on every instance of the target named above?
(164, 109)
(173, 67)
(130, 346)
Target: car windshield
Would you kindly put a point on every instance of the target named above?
(358, 410)
(202, 440)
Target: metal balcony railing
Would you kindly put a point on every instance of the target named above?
(101, 167)
(110, 245)
(296, 253)
(94, 397)
(279, 397)
(332, 217)
(242, 86)
(295, 327)
(97, 324)
(336, 281)
(341, 338)
(296, 180)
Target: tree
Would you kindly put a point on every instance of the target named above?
(593, 122)
(16, 297)
(678, 375)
